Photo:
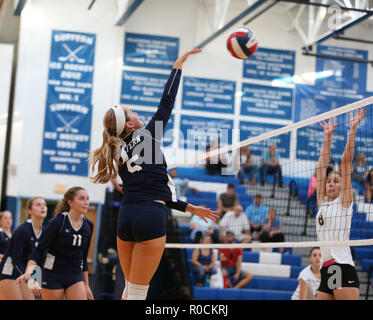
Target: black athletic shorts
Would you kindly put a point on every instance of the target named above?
(338, 276)
(55, 280)
(141, 221)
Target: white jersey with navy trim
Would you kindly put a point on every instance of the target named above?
(144, 168)
(333, 223)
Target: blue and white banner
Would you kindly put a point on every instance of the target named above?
(309, 102)
(141, 88)
(208, 95)
(341, 77)
(266, 101)
(198, 132)
(145, 117)
(270, 64)
(67, 124)
(254, 129)
(150, 51)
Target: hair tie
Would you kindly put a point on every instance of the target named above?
(120, 118)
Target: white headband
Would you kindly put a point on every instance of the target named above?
(120, 118)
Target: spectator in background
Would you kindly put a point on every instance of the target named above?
(203, 262)
(237, 222)
(369, 186)
(245, 165)
(272, 229)
(270, 165)
(256, 213)
(200, 228)
(181, 185)
(231, 263)
(227, 201)
(359, 169)
(309, 278)
(215, 164)
(6, 222)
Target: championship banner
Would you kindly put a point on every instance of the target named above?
(196, 133)
(142, 88)
(150, 51)
(270, 64)
(67, 124)
(311, 101)
(341, 77)
(266, 101)
(209, 95)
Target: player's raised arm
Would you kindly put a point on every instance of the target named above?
(324, 159)
(347, 157)
(166, 104)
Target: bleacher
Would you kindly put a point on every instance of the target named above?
(274, 278)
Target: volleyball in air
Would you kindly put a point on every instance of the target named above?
(242, 43)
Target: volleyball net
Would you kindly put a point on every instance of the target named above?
(244, 183)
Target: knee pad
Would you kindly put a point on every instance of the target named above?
(125, 291)
(137, 291)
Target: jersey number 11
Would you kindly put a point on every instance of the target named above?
(77, 240)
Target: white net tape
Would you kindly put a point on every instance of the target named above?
(305, 244)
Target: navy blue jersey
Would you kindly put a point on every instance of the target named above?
(23, 241)
(61, 247)
(144, 168)
(4, 241)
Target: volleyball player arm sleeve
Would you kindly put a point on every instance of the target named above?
(177, 205)
(166, 104)
(86, 249)
(49, 234)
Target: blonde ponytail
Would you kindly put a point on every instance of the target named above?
(105, 156)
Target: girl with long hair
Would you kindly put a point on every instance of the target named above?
(135, 154)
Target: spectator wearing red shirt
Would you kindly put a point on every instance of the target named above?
(231, 262)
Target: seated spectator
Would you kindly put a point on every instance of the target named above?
(256, 213)
(203, 262)
(311, 194)
(369, 186)
(215, 164)
(270, 165)
(227, 201)
(231, 262)
(237, 222)
(359, 169)
(272, 229)
(200, 228)
(309, 278)
(181, 185)
(245, 165)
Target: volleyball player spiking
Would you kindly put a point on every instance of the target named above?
(339, 279)
(25, 238)
(147, 187)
